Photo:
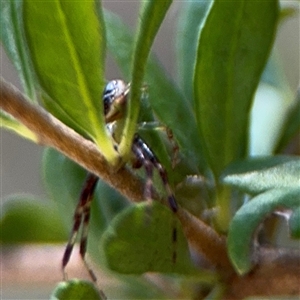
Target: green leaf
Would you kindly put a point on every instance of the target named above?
(140, 239)
(294, 224)
(8, 122)
(63, 180)
(291, 126)
(120, 42)
(257, 175)
(152, 15)
(170, 106)
(191, 18)
(59, 113)
(247, 219)
(76, 289)
(26, 220)
(67, 47)
(164, 95)
(12, 37)
(233, 48)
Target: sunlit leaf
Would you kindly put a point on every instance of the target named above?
(67, 47)
(8, 122)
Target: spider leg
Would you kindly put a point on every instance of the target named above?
(148, 157)
(154, 125)
(141, 160)
(145, 157)
(175, 147)
(171, 199)
(164, 178)
(81, 216)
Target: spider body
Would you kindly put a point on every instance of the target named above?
(114, 102)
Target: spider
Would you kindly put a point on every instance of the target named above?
(114, 101)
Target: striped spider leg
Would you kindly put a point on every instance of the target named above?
(145, 157)
(174, 146)
(81, 216)
(114, 101)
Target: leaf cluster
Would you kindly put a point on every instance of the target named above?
(222, 49)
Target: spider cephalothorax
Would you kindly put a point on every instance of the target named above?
(114, 101)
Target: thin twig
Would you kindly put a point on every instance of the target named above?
(53, 133)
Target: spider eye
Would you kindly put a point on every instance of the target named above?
(113, 90)
(109, 94)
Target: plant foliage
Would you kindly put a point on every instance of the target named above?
(59, 49)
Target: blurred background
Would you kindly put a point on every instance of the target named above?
(20, 160)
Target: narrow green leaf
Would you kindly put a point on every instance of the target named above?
(294, 223)
(153, 13)
(258, 175)
(140, 239)
(26, 220)
(173, 109)
(234, 44)
(120, 42)
(67, 46)
(12, 37)
(8, 122)
(164, 95)
(76, 289)
(247, 219)
(191, 18)
(291, 126)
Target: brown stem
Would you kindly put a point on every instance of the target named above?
(277, 273)
(204, 239)
(53, 133)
